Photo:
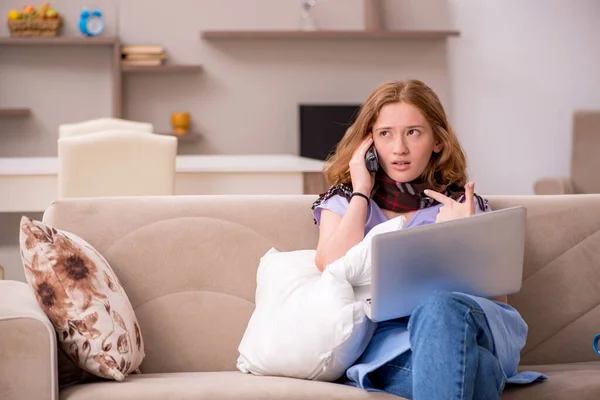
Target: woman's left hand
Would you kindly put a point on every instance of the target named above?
(452, 209)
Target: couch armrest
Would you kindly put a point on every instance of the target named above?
(553, 186)
(27, 346)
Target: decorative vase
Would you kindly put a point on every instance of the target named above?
(180, 122)
(307, 19)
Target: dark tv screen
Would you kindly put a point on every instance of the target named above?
(322, 127)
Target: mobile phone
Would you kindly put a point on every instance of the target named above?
(371, 159)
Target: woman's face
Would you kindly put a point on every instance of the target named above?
(404, 141)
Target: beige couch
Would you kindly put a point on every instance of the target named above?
(188, 265)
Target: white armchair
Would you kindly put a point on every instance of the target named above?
(102, 124)
(116, 163)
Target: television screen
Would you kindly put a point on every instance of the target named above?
(322, 127)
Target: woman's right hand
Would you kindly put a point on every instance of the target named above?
(362, 179)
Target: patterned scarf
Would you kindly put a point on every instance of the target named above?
(398, 196)
(403, 197)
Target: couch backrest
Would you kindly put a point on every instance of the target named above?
(560, 296)
(188, 265)
(585, 162)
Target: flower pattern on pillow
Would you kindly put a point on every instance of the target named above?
(83, 298)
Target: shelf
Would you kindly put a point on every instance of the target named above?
(60, 41)
(188, 137)
(162, 68)
(14, 112)
(331, 34)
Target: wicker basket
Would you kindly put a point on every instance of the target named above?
(35, 27)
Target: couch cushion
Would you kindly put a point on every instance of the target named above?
(560, 297)
(188, 265)
(204, 251)
(579, 381)
(84, 300)
(215, 385)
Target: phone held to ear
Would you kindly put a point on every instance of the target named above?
(371, 159)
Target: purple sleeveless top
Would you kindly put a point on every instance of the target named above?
(375, 216)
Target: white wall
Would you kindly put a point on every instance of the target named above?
(10, 256)
(517, 73)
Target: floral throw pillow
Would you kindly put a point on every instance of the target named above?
(84, 300)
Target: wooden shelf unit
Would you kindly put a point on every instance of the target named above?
(14, 112)
(328, 34)
(188, 137)
(100, 41)
(374, 29)
(60, 41)
(117, 69)
(167, 68)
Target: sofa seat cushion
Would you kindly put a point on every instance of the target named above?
(579, 381)
(565, 381)
(214, 385)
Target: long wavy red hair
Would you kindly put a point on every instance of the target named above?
(448, 167)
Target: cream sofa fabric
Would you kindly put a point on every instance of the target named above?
(27, 345)
(188, 265)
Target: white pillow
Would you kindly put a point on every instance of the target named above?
(355, 265)
(308, 324)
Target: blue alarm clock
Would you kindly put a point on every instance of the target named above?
(91, 23)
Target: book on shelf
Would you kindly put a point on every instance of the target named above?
(142, 63)
(143, 59)
(140, 57)
(142, 49)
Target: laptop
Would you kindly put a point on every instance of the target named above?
(480, 255)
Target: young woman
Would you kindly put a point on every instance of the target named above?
(453, 346)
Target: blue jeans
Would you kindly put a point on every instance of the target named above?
(451, 356)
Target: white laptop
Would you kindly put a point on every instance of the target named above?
(480, 255)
